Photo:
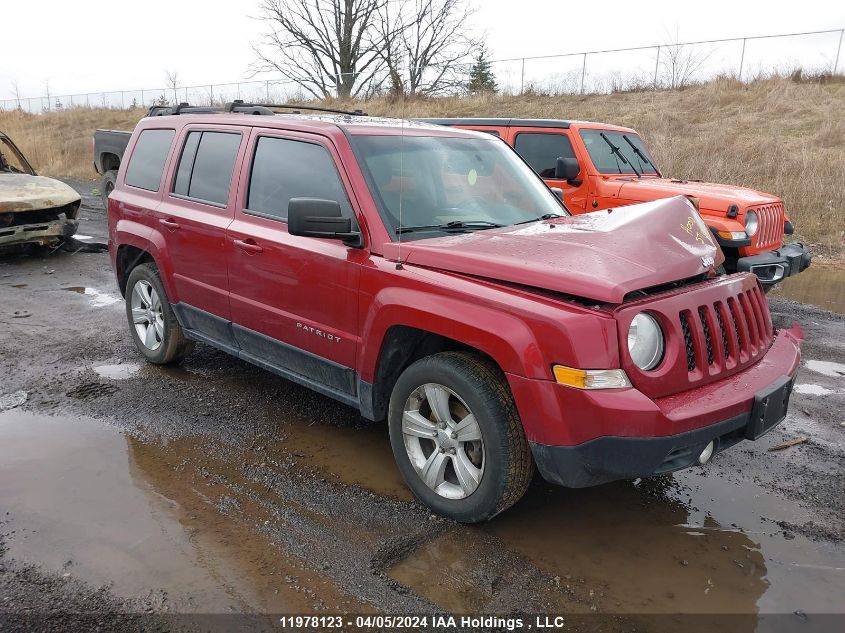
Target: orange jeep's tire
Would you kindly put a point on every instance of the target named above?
(457, 437)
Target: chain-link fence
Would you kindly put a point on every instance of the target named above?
(813, 54)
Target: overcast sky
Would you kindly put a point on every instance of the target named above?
(83, 46)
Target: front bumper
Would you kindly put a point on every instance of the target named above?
(608, 459)
(774, 267)
(587, 437)
(42, 233)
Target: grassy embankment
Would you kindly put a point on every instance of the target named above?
(775, 135)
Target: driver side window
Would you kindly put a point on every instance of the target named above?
(541, 150)
(283, 169)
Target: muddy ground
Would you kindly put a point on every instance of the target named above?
(218, 488)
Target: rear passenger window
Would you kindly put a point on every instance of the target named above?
(541, 151)
(206, 166)
(146, 164)
(285, 169)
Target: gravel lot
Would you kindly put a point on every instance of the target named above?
(129, 493)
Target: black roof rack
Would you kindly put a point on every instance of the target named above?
(241, 107)
(182, 108)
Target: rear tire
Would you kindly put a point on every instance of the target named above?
(107, 186)
(152, 322)
(476, 479)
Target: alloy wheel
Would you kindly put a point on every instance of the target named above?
(443, 441)
(147, 315)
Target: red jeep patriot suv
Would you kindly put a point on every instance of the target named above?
(427, 276)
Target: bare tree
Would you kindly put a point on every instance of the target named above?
(47, 91)
(680, 62)
(425, 44)
(17, 92)
(173, 82)
(389, 29)
(325, 46)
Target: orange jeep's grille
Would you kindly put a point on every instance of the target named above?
(770, 230)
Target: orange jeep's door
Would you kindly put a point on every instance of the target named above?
(541, 148)
(294, 299)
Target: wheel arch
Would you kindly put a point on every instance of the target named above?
(405, 335)
(134, 250)
(109, 161)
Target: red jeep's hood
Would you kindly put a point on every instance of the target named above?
(713, 196)
(600, 256)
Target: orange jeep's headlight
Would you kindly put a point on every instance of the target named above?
(751, 223)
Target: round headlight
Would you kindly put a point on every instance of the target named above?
(645, 341)
(751, 223)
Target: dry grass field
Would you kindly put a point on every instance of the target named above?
(777, 135)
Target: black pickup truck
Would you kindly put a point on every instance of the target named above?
(109, 146)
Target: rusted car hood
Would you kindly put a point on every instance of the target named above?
(713, 196)
(600, 256)
(22, 192)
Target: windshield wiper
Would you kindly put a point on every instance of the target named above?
(618, 152)
(642, 155)
(545, 216)
(453, 225)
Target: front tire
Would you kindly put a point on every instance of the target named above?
(457, 437)
(152, 322)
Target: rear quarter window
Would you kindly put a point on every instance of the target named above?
(541, 151)
(206, 165)
(146, 165)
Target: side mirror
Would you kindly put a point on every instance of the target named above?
(558, 192)
(313, 217)
(567, 169)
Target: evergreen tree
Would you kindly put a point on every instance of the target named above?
(481, 77)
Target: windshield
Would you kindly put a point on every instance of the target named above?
(629, 147)
(442, 185)
(11, 162)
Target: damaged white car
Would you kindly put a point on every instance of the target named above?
(34, 210)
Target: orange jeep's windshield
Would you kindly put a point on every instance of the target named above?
(436, 184)
(614, 152)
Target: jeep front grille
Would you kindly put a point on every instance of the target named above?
(721, 334)
(712, 329)
(770, 228)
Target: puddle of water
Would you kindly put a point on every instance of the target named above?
(663, 546)
(449, 559)
(83, 237)
(826, 368)
(117, 372)
(822, 287)
(356, 456)
(98, 298)
(86, 500)
(352, 452)
(814, 390)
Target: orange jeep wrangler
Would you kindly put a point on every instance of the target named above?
(597, 166)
